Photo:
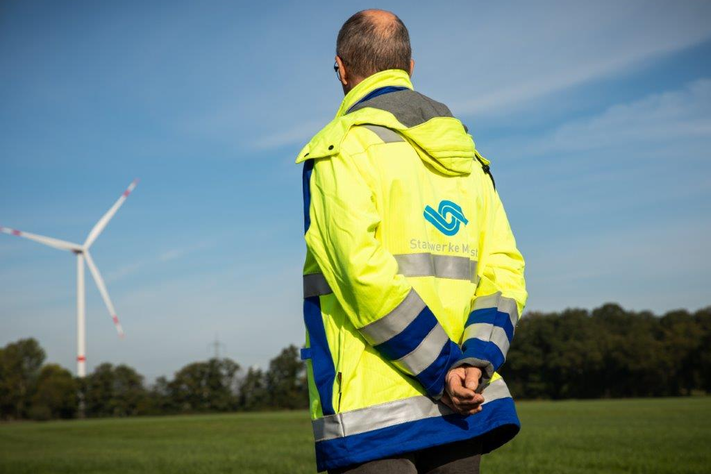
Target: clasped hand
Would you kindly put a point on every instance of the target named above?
(459, 390)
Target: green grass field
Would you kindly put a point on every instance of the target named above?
(611, 436)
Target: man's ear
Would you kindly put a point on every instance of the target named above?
(412, 66)
(342, 72)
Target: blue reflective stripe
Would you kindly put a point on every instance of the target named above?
(306, 189)
(321, 360)
(305, 353)
(492, 316)
(409, 338)
(484, 350)
(376, 93)
(486, 315)
(497, 424)
(432, 378)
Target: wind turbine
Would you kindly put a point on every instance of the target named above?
(83, 255)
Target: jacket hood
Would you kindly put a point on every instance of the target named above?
(440, 139)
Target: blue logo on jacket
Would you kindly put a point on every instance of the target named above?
(447, 218)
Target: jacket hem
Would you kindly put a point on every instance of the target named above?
(498, 423)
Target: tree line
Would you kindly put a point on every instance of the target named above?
(610, 353)
(30, 389)
(605, 353)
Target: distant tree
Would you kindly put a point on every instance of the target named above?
(130, 396)
(98, 391)
(682, 337)
(703, 352)
(525, 369)
(286, 380)
(20, 364)
(55, 395)
(632, 363)
(253, 391)
(574, 363)
(205, 386)
(114, 391)
(160, 401)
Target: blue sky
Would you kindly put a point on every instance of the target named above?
(596, 116)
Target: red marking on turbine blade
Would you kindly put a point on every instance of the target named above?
(115, 318)
(16, 232)
(81, 358)
(126, 193)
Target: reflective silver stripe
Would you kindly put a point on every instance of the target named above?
(415, 265)
(488, 333)
(440, 266)
(495, 391)
(385, 134)
(503, 304)
(392, 413)
(377, 416)
(478, 330)
(499, 337)
(395, 321)
(315, 284)
(425, 353)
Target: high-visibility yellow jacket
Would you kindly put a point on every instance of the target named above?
(411, 269)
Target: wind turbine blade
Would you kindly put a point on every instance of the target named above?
(56, 243)
(102, 289)
(99, 227)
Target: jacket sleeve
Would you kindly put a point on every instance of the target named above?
(342, 221)
(500, 295)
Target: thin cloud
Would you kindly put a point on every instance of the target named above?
(291, 136)
(657, 118)
(562, 60)
(164, 257)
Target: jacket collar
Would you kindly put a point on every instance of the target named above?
(327, 142)
(389, 77)
(442, 141)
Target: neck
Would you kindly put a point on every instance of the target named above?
(351, 85)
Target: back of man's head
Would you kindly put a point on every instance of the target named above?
(372, 41)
